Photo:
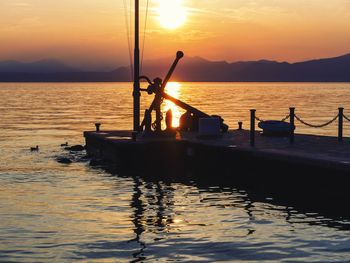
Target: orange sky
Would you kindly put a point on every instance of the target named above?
(92, 33)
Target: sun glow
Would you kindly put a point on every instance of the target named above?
(173, 89)
(171, 13)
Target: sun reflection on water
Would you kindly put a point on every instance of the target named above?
(173, 89)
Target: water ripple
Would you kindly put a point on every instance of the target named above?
(66, 213)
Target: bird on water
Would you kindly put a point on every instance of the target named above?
(34, 149)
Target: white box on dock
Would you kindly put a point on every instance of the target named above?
(209, 126)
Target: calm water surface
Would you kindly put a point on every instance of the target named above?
(64, 213)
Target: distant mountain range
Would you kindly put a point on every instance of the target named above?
(47, 66)
(335, 69)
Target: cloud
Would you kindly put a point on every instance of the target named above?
(23, 24)
(20, 4)
(239, 11)
(347, 4)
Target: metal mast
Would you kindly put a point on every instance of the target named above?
(136, 92)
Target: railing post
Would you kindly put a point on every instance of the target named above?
(240, 125)
(340, 123)
(252, 127)
(292, 124)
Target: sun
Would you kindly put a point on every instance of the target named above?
(171, 13)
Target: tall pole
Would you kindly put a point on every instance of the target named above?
(136, 92)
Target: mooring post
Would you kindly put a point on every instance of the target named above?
(252, 127)
(97, 125)
(340, 123)
(292, 124)
(240, 124)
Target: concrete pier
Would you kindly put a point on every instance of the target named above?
(312, 174)
(314, 170)
(320, 152)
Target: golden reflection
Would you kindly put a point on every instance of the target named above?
(177, 221)
(173, 89)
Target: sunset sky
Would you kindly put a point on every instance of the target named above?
(92, 33)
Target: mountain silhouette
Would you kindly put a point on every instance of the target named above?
(335, 69)
(42, 66)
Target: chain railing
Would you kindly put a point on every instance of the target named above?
(285, 118)
(261, 120)
(346, 118)
(258, 119)
(317, 125)
(292, 117)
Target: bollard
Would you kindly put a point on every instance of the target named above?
(252, 127)
(240, 124)
(292, 124)
(134, 136)
(340, 124)
(97, 125)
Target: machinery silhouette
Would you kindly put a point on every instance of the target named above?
(188, 121)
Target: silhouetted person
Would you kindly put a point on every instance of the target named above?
(169, 119)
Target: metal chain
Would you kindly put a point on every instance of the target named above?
(316, 126)
(258, 119)
(285, 118)
(346, 118)
(309, 124)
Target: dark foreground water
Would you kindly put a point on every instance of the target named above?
(54, 212)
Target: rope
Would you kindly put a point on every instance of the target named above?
(346, 118)
(128, 34)
(316, 126)
(144, 35)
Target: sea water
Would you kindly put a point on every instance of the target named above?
(67, 213)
